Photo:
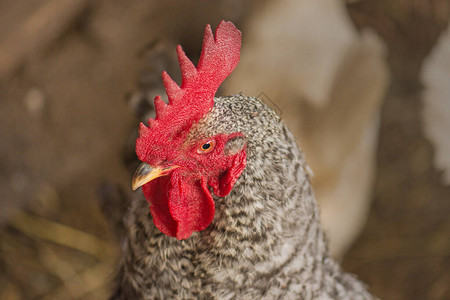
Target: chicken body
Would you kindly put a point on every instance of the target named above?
(265, 241)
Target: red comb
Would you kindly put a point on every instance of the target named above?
(190, 102)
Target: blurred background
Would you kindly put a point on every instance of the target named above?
(364, 86)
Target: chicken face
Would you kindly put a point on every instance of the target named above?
(176, 185)
(179, 163)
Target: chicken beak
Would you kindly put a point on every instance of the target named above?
(146, 173)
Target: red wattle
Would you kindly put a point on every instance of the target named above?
(179, 205)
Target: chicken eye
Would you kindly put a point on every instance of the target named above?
(207, 147)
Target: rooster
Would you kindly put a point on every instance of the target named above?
(229, 210)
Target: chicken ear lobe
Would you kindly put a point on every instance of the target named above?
(229, 178)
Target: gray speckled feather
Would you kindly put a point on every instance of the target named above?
(265, 241)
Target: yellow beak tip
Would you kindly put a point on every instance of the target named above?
(146, 173)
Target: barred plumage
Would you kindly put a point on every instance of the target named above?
(265, 241)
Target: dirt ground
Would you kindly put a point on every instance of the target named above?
(65, 118)
(404, 251)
